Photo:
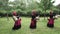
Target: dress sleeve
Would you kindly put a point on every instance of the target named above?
(14, 18)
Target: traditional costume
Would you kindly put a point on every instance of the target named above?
(50, 21)
(33, 20)
(17, 20)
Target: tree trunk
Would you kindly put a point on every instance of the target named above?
(44, 15)
(7, 17)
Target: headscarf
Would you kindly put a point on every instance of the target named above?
(33, 12)
(14, 13)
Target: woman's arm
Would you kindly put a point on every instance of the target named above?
(15, 18)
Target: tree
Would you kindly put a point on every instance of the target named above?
(19, 4)
(4, 5)
(58, 8)
(46, 5)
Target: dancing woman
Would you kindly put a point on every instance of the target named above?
(17, 21)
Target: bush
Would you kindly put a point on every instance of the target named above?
(27, 13)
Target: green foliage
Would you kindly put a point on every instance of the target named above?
(46, 4)
(3, 4)
(24, 7)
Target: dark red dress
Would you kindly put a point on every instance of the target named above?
(17, 24)
(50, 22)
(33, 21)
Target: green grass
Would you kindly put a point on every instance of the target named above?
(6, 27)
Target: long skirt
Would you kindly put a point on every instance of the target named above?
(33, 24)
(16, 27)
(50, 25)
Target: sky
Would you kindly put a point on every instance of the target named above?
(56, 2)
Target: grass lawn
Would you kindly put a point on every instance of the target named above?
(6, 27)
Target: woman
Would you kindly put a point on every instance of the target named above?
(33, 20)
(17, 20)
(50, 21)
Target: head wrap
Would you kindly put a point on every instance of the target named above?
(14, 13)
(33, 12)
